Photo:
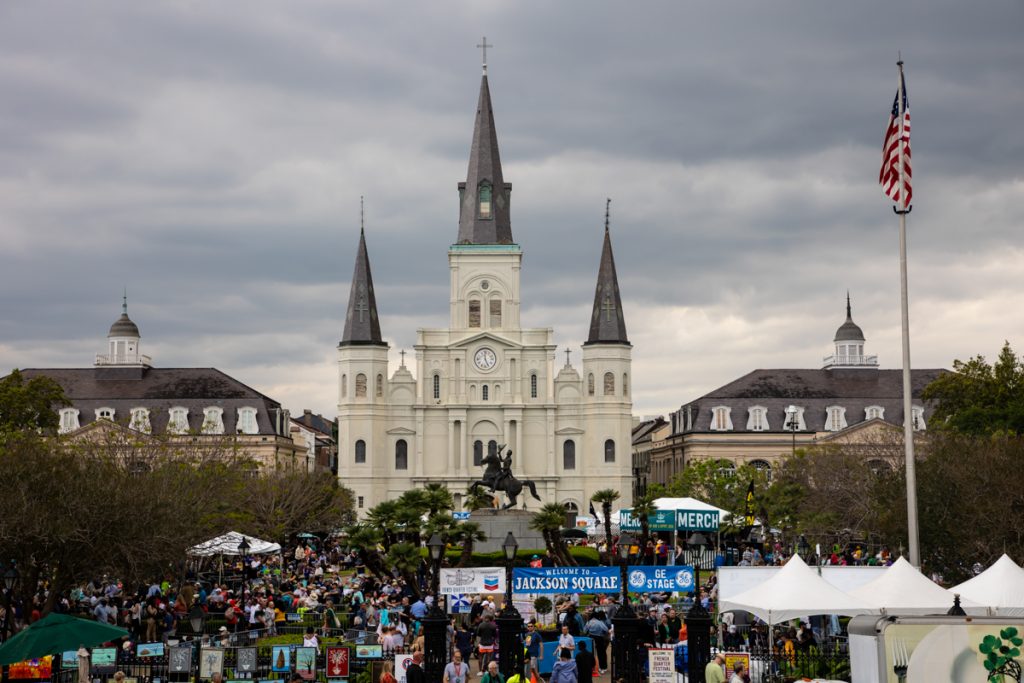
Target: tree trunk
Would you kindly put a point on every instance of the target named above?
(606, 509)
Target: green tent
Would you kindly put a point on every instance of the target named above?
(57, 633)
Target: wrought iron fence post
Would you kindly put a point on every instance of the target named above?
(698, 633)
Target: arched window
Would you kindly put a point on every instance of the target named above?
(437, 386)
(213, 420)
(105, 414)
(380, 386)
(495, 311)
(246, 423)
(917, 415)
(68, 420)
(360, 385)
(569, 455)
(609, 384)
(492, 448)
(344, 386)
(727, 468)
(483, 393)
(625, 384)
(874, 413)
(609, 450)
(721, 419)
(474, 313)
(478, 453)
(178, 423)
(360, 451)
(590, 384)
(757, 419)
(533, 385)
(401, 455)
(764, 467)
(485, 201)
(140, 421)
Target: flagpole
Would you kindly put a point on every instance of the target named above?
(908, 423)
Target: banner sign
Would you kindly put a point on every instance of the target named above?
(565, 580)
(463, 516)
(473, 580)
(672, 520)
(661, 665)
(678, 579)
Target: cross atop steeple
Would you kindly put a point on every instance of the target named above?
(402, 354)
(567, 352)
(483, 46)
(609, 328)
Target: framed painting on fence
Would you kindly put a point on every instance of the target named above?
(245, 660)
(337, 662)
(211, 661)
(149, 650)
(179, 660)
(305, 662)
(69, 659)
(281, 659)
(104, 660)
(39, 667)
(130, 680)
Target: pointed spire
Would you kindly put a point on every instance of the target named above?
(607, 323)
(484, 216)
(849, 313)
(123, 326)
(849, 330)
(361, 323)
(124, 302)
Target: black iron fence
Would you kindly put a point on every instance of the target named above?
(831, 663)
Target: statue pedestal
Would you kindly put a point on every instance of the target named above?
(497, 523)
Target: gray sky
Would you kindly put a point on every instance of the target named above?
(211, 155)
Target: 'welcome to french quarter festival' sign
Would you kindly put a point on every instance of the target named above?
(669, 520)
(565, 580)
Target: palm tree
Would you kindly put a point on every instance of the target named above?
(549, 520)
(364, 539)
(606, 497)
(467, 534)
(406, 558)
(643, 508)
(479, 499)
(383, 516)
(437, 498)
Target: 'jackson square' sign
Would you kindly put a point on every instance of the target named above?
(565, 580)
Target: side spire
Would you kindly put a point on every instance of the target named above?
(484, 216)
(607, 323)
(362, 326)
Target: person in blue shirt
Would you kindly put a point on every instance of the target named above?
(533, 643)
(564, 670)
(418, 609)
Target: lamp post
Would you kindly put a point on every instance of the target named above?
(792, 424)
(510, 622)
(698, 621)
(435, 624)
(803, 547)
(196, 617)
(626, 662)
(243, 549)
(10, 581)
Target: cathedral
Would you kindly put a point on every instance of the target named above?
(485, 380)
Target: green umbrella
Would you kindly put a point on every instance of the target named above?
(57, 633)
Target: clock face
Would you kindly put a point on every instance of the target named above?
(485, 359)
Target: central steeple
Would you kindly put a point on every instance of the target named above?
(484, 198)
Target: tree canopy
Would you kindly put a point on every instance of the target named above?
(980, 398)
(29, 404)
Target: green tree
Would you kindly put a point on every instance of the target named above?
(643, 508)
(979, 398)
(606, 498)
(467, 534)
(549, 521)
(479, 499)
(30, 404)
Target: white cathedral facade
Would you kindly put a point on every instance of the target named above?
(485, 380)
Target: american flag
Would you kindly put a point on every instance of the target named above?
(889, 175)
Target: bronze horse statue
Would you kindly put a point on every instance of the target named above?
(498, 477)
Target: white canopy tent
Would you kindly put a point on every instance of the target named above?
(903, 589)
(228, 545)
(1000, 588)
(795, 591)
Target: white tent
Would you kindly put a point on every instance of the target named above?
(795, 591)
(228, 545)
(904, 590)
(1000, 587)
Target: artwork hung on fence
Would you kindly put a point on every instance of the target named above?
(281, 659)
(179, 660)
(305, 662)
(104, 660)
(245, 660)
(149, 650)
(40, 667)
(69, 659)
(211, 661)
(337, 662)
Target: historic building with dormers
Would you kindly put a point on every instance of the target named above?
(485, 380)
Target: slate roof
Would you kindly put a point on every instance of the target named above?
(485, 165)
(316, 422)
(362, 326)
(160, 389)
(814, 390)
(607, 322)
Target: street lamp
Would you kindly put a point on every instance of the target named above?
(243, 550)
(626, 663)
(10, 581)
(435, 624)
(804, 547)
(196, 617)
(510, 622)
(698, 621)
(792, 423)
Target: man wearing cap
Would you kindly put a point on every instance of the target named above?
(714, 672)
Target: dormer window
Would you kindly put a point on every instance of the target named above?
(247, 421)
(721, 419)
(835, 418)
(874, 413)
(213, 420)
(68, 420)
(178, 423)
(485, 201)
(105, 414)
(140, 420)
(757, 419)
(917, 415)
(795, 419)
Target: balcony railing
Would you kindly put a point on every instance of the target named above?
(850, 361)
(122, 359)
